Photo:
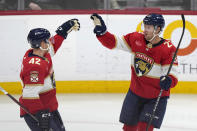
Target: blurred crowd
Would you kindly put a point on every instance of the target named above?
(96, 4)
(50, 4)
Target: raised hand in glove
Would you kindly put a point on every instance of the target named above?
(100, 27)
(165, 82)
(44, 119)
(67, 27)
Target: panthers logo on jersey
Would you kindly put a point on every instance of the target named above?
(143, 64)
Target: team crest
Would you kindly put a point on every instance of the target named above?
(34, 76)
(143, 64)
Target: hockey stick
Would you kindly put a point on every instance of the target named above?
(161, 91)
(24, 108)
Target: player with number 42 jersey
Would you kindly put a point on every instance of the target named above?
(37, 75)
(38, 80)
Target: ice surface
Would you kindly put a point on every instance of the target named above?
(100, 112)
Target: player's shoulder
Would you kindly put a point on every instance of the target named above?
(27, 52)
(167, 48)
(134, 36)
(168, 45)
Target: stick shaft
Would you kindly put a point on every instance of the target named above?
(175, 54)
(18, 103)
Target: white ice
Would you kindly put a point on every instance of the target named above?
(100, 112)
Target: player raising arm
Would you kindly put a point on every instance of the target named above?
(151, 56)
(37, 75)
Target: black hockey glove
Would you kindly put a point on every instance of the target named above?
(165, 82)
(44, 119)
(67, 27)
(100, 27)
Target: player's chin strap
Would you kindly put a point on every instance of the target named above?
(48, 44)
(154, 35)
(46, 48)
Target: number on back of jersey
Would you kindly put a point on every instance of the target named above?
(35, 61)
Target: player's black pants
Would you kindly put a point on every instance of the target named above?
(137, 109)
(56, 123)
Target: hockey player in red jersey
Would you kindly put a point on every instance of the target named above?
(37, 75)
(151, 56)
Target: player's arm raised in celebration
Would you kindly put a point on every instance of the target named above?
(62, 33)
(106, 38)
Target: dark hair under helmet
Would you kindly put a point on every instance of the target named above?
(37, 35)
(156, 20)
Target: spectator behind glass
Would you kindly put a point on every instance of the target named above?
(34, 4)
(13, 5)
(46, 4)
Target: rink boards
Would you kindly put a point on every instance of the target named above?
(82, 64)
(98, 87)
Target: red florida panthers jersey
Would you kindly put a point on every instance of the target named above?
(37, 75)
(148, 62)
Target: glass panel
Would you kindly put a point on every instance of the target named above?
(97, 4)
